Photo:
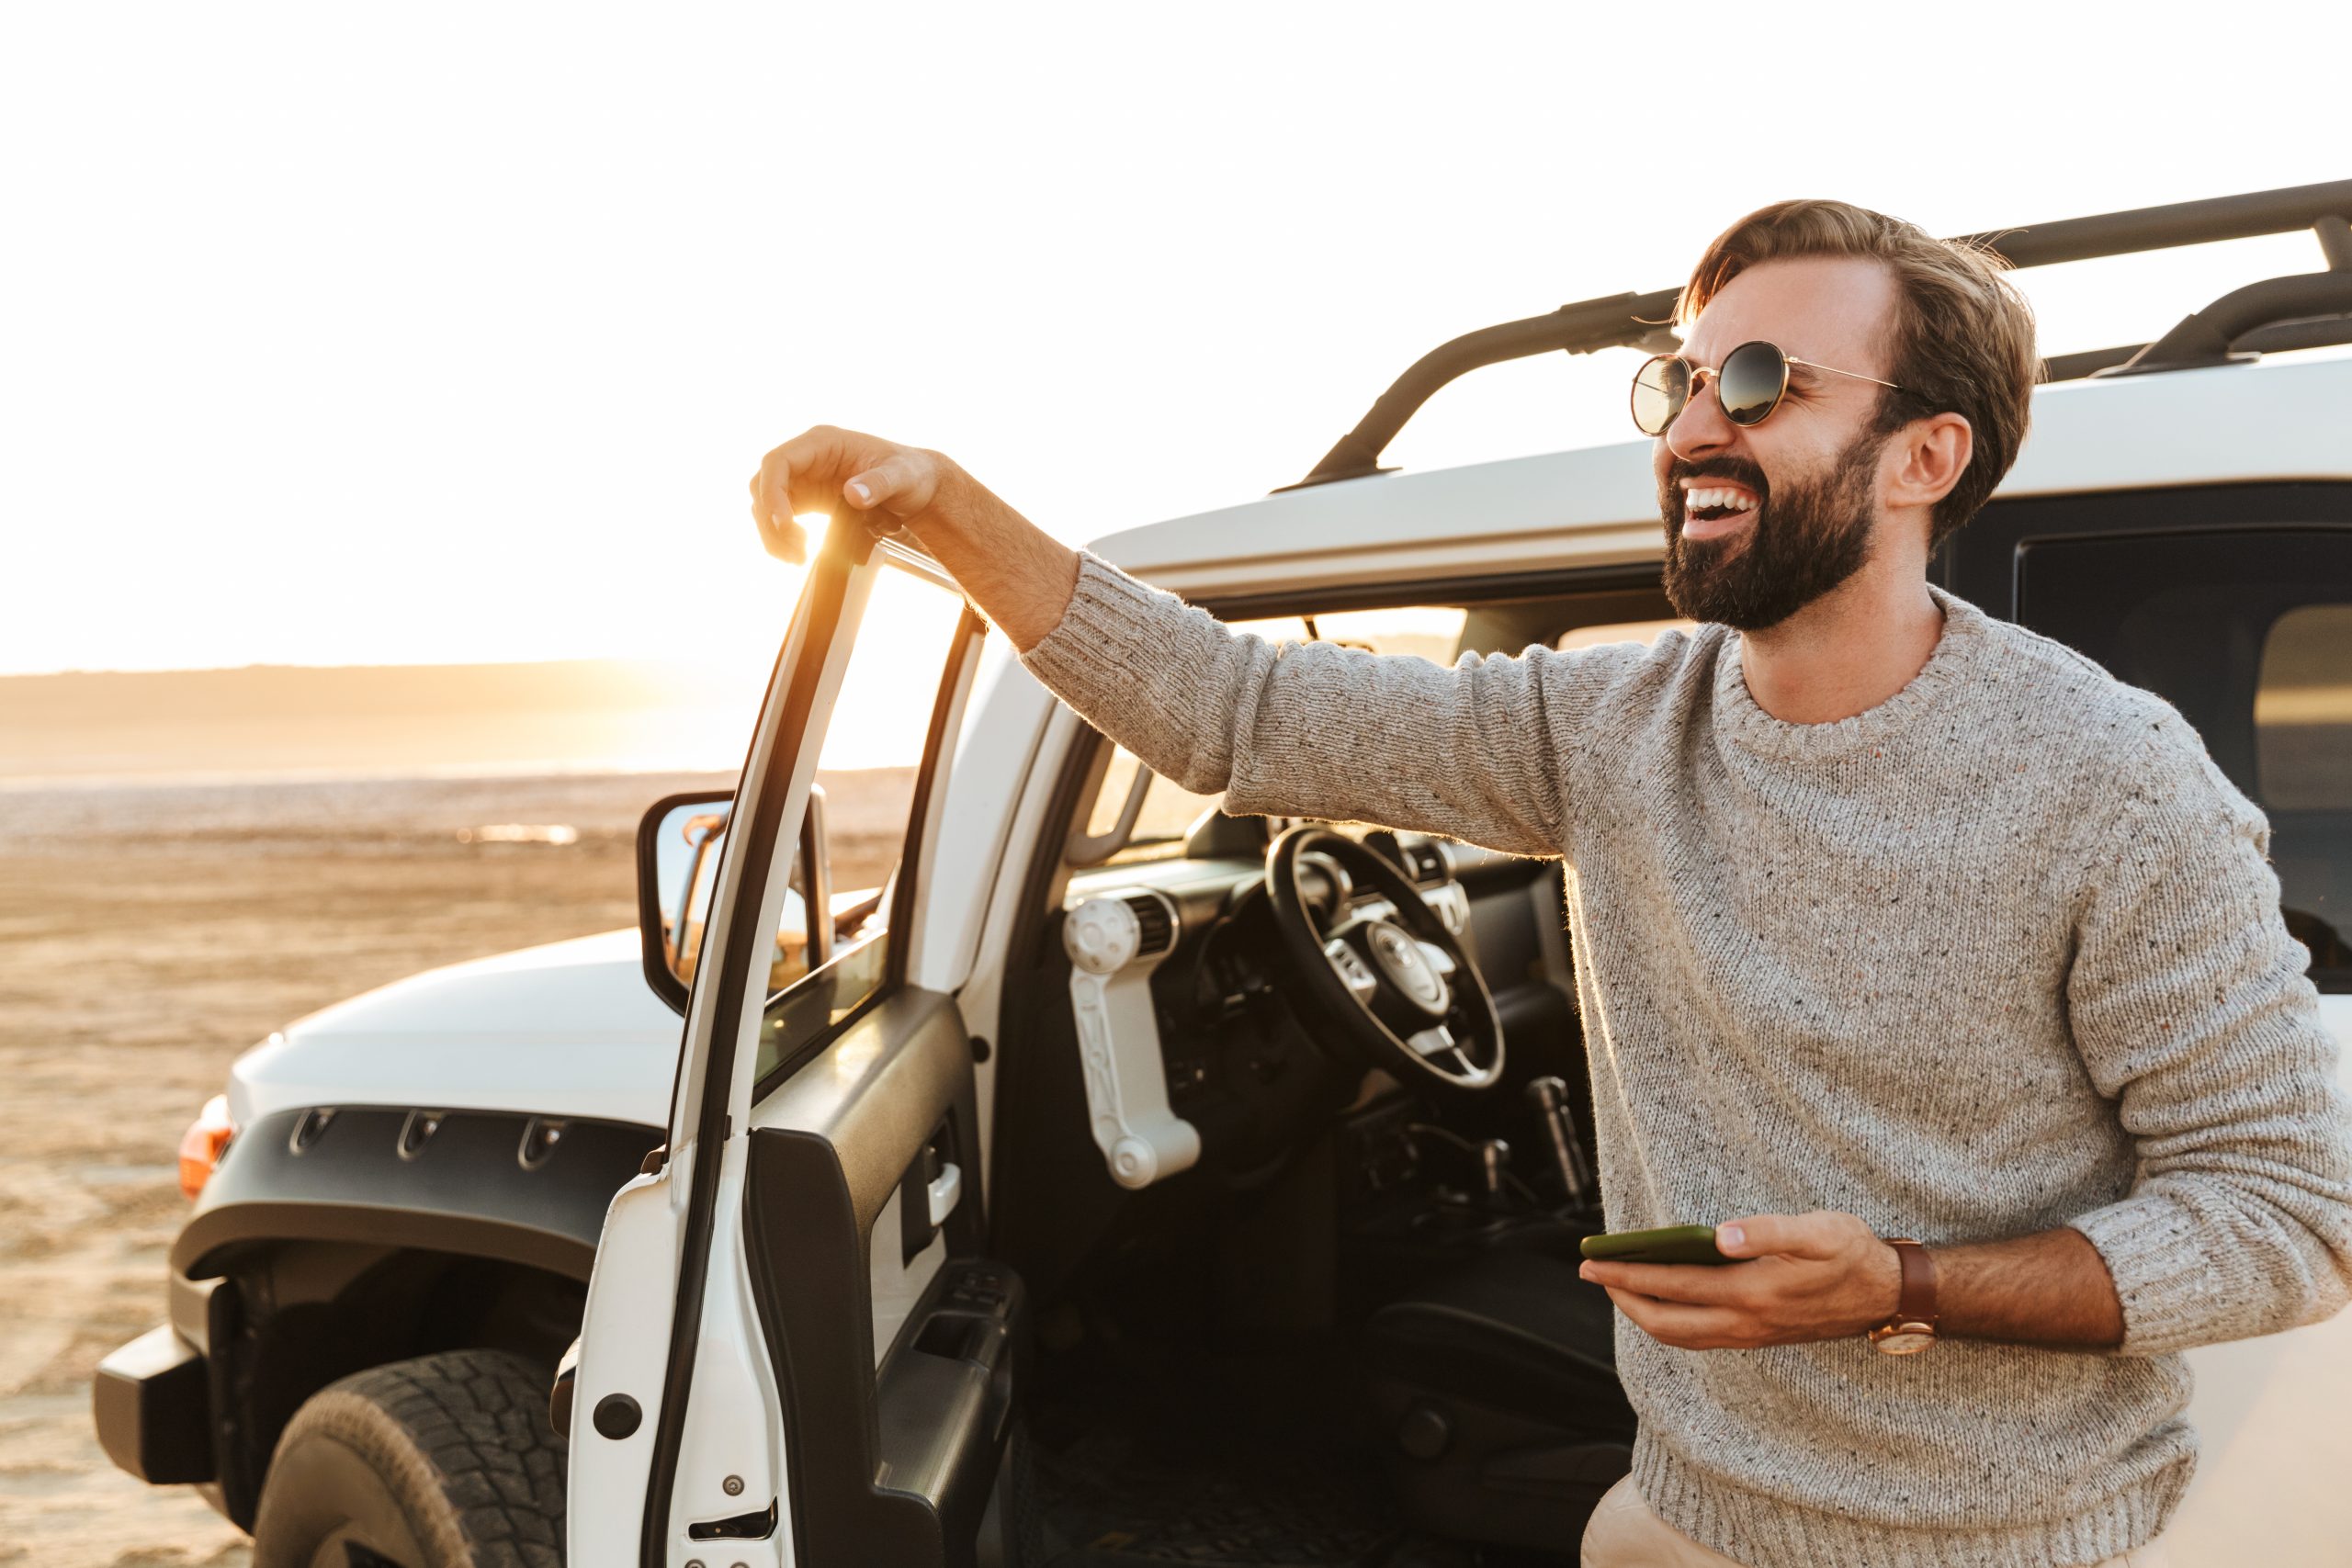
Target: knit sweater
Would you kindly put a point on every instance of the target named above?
(2001, 955)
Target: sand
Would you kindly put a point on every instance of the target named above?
(149, 935)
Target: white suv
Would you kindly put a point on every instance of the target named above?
(1048, 1198)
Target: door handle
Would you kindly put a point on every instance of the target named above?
(944, 1189)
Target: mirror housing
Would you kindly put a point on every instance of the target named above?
(679, 841)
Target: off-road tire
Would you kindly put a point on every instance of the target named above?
(444, 1462)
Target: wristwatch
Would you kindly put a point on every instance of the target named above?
(1913, 1328)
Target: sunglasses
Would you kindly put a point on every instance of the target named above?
(1753, 380)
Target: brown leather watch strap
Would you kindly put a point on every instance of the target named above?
(1918, 1301)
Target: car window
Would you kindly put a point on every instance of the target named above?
(2303, 708)
(1168, 810)
(871, 767)
(2249, 633)
(1431, 632)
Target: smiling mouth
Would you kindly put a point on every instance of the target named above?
(1703, 503)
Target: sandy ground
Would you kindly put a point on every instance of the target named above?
(147, 936)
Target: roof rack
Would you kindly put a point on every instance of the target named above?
(2302, 310)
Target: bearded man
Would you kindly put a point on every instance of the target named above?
(1890, 920)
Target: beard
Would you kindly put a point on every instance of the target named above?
(1797, 546)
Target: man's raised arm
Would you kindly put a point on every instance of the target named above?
(1473, 752)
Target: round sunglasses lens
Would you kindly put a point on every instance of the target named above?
(1752, 377)
(1660, 388)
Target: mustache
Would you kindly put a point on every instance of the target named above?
(1731, 470)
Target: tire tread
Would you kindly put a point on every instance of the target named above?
(476, 1423)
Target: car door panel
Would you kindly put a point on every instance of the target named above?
(644, 1324)
(891, 1465)
(814, 1134)
(715, 1083)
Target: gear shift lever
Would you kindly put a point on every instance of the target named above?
(1493, 1154)
(1550, 1098)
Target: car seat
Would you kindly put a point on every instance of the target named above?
(1496, 1391)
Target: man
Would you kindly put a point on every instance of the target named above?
(1890, 920)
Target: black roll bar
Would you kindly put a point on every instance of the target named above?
(2207, 336)
(2276, 314)
(1583, 328)
(2204, 222)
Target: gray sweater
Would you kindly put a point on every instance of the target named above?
(2003, 954)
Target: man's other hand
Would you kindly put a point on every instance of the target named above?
(1801, 1277)
(820, 470)
(1020, 578)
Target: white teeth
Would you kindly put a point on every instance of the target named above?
(1700, 500)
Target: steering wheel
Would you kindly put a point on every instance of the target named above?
(1399, 987)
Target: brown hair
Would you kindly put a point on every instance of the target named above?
(1962, 334)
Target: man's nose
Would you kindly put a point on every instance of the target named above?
(1701, 430)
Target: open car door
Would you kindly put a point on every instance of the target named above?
(794, 1351)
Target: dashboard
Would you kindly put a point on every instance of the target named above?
(1193, 1048)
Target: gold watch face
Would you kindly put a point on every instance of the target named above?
(1904, 1339)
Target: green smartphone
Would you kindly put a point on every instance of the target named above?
(1675, 1243)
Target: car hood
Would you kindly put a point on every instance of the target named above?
(571, 1029)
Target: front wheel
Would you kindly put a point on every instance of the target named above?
(444, 1462)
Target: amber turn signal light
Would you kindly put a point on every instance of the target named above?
(203, 1143)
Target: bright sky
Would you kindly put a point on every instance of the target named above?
(451, 333)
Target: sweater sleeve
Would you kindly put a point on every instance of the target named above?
(2192, 1011)
(1312, 729)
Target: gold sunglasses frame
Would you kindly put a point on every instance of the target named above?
(1697, 371)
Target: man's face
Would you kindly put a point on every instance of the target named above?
(1790, 506)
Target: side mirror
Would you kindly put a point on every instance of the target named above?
(678, 845)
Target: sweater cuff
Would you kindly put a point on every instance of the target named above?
(2163, 1273)
(1098, 637)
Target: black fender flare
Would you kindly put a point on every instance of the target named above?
(496, 1184)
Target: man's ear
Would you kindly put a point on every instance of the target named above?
(1930, 455)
